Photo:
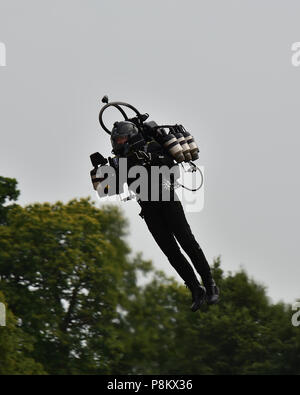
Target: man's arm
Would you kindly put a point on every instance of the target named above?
(101, 173)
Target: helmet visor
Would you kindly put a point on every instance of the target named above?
(121, 139)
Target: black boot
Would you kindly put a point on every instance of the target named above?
(198, 294)
(212, 293)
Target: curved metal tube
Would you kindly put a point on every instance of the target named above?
(117, 105)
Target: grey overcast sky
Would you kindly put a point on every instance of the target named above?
(221, 68)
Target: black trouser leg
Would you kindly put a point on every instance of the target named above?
(186, 239)
(162, 233)
(166, 220)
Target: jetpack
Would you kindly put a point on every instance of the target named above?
(175, 139)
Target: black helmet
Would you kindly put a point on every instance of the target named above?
(122, 129)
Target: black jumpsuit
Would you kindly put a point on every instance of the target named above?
(166, 219)
(168, 225)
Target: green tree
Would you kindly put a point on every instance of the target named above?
(14, 346)
(8, 192)
(244, 334)
(67, 278)
(66, 274)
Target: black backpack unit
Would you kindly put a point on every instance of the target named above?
(175, 140)
(178, 142)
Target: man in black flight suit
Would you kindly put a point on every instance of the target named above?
(166, 219)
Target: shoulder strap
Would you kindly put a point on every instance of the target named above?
(146, 146)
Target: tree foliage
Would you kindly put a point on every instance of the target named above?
(244, 334)
(8, 192)
(75, 305)
(64, 277)
(15, 344)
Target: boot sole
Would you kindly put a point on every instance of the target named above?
(198, 306)
(212, 303)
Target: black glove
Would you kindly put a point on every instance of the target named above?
(114, 162)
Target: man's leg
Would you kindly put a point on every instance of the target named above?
(163, 236)
(182, 231)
